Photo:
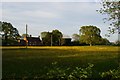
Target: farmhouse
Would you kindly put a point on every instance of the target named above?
(30, 41)
(67, 41)
(36, 41)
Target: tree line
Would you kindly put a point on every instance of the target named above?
(89, 35)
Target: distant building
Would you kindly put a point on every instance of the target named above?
(67, 41)
(22, 42)
(30, 41)
(34, 41)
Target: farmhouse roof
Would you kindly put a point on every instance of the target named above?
(33, 39)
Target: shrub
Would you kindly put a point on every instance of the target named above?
(65, 74)
(111, 74)
(81, 73)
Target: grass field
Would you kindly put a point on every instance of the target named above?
(35, 61)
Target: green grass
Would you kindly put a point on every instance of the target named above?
(35, 61)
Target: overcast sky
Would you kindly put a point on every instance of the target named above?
(52, 0)
(67, 17)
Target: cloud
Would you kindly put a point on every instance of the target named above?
(39, 14)
(0, 11)
(46, 16)
(50, 0)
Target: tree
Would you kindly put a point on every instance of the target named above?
(46, 38)
(9, 33)
(24, 35)
(43, 34)
(117, 42)
(0, 33)
(112, 9)
(90, 35)
(56, 37)
(52, 38)
(104, 41)
(76, 37)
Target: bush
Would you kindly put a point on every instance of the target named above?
(65, 74)
(81, 73)
(111, 74)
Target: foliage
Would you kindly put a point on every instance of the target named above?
(81, 73)
(75, 43)
(52, 38)
(76, 37)
(90, 35)
(104, 41)
(8, 33)
(43, 34)
(46, 38)
(56, 37)
(10, 42)
(56, 72)
(24, 35)
(117, 42)
(112, 9)
(76, 74)
(111, 74)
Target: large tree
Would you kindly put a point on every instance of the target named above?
(112, 9)
(24, 35)
(52, 38)
(104, 41)
(43, 34)
(9, 33)
(46, 38)
(90, 35)
(56, 37)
